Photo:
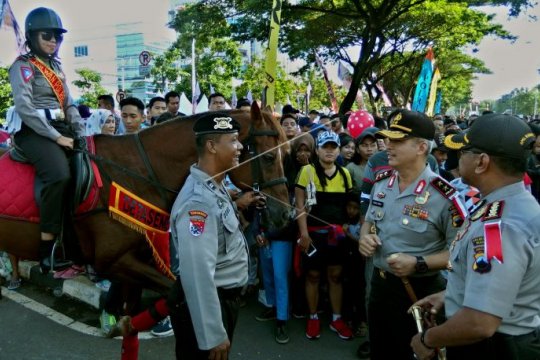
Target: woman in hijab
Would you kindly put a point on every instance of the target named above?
(101, 122)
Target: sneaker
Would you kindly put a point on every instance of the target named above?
(104, 285)
(14, 284)
(341, 329)
(163, 328)
(282, 334)
(313, 329)
(267, 314)
(107, 321)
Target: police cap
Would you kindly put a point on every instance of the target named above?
(406, 123)
(215, 123)
(496, 134)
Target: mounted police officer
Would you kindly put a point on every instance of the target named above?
(47, 121)
(409, 224)
(492, 300)
(212, 257)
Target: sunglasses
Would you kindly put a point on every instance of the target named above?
(48, 36)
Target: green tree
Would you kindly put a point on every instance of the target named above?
(6, 98)
(89, 83)
(253, 79)
(379, 28)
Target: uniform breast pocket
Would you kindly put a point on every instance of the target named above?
(230, 229)
(416, 225)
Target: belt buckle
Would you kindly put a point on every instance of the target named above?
(382, 274)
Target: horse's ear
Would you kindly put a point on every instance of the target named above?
(255, 111)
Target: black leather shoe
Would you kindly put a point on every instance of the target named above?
(45, 264)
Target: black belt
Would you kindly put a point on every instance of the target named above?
(229, 294)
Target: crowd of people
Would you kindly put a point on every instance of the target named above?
(383, 220)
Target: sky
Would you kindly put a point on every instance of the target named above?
(514, 64)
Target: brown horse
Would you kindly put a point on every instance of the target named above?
(154, 165)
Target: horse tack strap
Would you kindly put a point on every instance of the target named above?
(52, 78)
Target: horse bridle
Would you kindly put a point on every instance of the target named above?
(251, 147)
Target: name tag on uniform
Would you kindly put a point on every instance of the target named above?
(377, 203)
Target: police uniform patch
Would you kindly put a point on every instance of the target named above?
(381, 195)
(26, 73)
(196, 222)
(457, 220)
(443, 187)
(478, 213)
(481, 263)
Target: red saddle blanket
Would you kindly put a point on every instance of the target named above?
(17, 189)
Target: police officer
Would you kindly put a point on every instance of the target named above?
(409, 225)
(492, 300)
(211, 249)
(50, 121)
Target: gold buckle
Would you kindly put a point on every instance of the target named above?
(382, 274)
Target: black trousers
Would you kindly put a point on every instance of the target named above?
(52, 168)
(390, 327)
(500, 347)
(186, 342)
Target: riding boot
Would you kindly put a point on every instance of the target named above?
(47, 258)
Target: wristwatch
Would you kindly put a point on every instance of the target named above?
(421, 265)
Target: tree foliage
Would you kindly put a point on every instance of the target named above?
(380, 29)
(517, 102)
(89, 83)
(6, 98)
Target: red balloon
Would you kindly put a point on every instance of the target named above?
(358, 122)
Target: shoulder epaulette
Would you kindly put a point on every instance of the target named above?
(383, 175)
(493, 211)
(443, 187)
(24, 57)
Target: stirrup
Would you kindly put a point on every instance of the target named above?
(57, 243)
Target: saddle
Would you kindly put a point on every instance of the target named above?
(20, 189)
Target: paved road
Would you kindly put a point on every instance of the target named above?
(28, 335)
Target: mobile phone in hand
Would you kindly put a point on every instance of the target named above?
(311, 250)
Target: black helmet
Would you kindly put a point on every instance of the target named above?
(43, 18)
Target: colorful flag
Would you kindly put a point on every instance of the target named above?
(438, 102)
(433, 92)
(344, 74)
(270, 66)
(424, 80)
(7, 20)
(329, 88)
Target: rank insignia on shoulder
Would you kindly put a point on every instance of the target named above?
(383, 175)
(493, 211)
(196, 222)
(443, 187)
(478, 213)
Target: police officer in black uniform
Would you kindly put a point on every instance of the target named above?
(49, 121)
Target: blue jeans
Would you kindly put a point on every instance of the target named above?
(275, 271)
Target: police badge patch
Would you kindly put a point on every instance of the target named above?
(196, 222)
(26, 73)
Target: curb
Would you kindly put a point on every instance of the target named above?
(80, 287)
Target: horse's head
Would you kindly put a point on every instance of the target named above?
(262, 162)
